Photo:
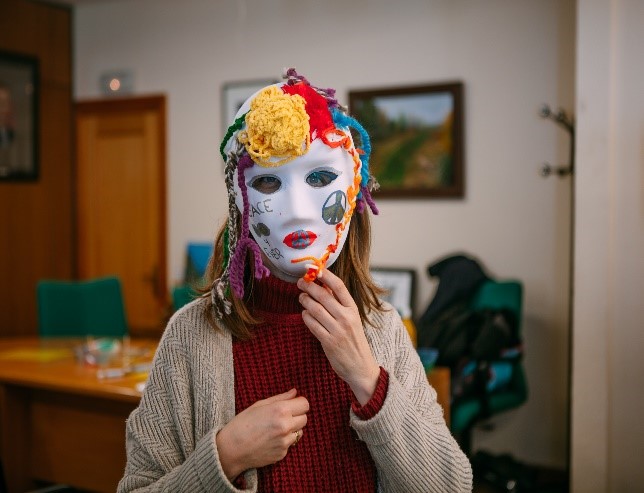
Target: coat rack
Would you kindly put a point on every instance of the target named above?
(565, 121)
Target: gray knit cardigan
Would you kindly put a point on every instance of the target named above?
(189, 397)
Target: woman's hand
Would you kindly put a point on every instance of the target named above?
(333, 318)
(262, 433)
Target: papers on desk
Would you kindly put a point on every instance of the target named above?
(138, 371)
(114, 358)
(36, 355)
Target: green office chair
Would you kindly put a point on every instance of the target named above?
(81, 308)
(197, 258)
(182, 295)
(495, 295)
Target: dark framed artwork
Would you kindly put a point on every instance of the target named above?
(416, 138)
(400, 285)
(233, 95)
(18, 117)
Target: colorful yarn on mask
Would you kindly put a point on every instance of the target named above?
(245, 243)
(277, 128)
(280, 125)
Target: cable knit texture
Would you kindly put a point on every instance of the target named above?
(283, 354)
(190, 396)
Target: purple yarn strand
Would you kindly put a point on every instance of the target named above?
(328, 94)
(366, 195)
(245, 242)
(360, 205)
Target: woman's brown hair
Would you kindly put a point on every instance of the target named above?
(351, 266)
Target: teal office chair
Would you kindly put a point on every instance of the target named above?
(197, 257)
(465, 414)
(182, 295)
(81, 308)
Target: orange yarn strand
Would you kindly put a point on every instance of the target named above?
(352, 194)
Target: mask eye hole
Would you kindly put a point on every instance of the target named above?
(266, 184)
(321, 178)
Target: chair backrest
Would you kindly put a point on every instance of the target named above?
(495, 295)
(81, 308)
(506, 295)
(182, 295)
(197, 257)
(498, 295)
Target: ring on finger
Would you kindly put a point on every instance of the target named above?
(298, 435)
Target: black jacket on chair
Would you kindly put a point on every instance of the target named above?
(460, 277)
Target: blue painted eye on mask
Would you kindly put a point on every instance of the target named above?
(334, 207)
(321, 178)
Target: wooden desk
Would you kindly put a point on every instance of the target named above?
(58, 421)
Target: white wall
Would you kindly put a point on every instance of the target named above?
(607, 427)
(512, 56)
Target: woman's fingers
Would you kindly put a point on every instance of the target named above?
(287, 402)
(328, 300)
(320, 331)
(335, 284)
(317, 311)
(262, 433)
(297, 436)
(333, 318)
(321, 295)
(298, 406)
(299, 422)
(290, 394)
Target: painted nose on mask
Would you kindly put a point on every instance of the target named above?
(303, 208)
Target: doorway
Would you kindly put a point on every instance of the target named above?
(121, 202)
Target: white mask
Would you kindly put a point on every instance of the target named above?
(294, 208)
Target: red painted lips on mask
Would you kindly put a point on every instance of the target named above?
(299, 239)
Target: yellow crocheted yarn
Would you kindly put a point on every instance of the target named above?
(277, 128)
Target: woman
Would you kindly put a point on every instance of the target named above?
(291, 375)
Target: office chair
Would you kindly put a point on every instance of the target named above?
(197, 257)
(466, 413)
(78, 309)
(182, 295)
(81, 308)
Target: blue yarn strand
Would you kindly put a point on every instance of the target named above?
(342, 120)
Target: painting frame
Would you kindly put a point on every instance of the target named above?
(19, 109)
(233, 95)
(400, 284)
(420, 127)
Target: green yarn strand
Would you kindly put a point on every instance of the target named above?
(239, 123)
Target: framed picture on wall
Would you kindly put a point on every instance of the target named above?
(233, 95)
(18, 117)
(400, 285)
(416, 138)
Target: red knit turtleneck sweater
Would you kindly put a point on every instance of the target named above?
(283, 354)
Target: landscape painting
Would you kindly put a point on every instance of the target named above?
(416, 139)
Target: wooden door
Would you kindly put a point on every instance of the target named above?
(121, 211)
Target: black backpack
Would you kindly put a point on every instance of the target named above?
(475, 345)
(469, 342)
(460, 333)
